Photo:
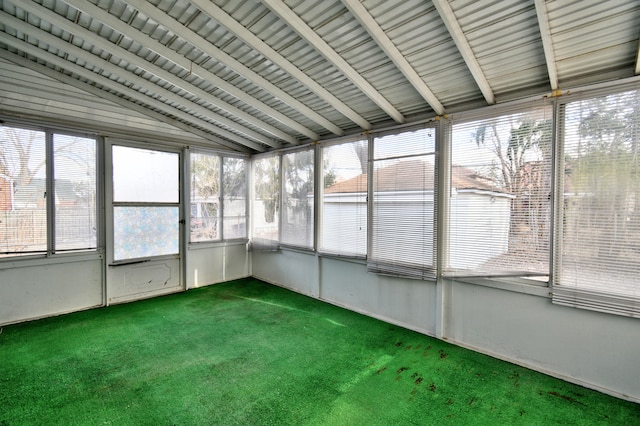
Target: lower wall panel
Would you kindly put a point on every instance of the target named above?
(214, 264)
(596, 350)
(30, 292)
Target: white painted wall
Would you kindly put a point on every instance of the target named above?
(214, 263)
(509, 320)
(32, 289)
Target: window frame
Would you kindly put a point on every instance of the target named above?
(51, 252)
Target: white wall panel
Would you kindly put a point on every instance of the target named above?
(409, 303)
(214, 264)
(598, 350)
(36, 291)
(295, 270)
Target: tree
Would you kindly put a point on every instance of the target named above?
(522, 167)
(267, 185)
(605, 169)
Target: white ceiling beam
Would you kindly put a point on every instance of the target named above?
(226, 20)
(380, 37)
(547, 43)
(298, 25)
(113, 69)
(135, 60)
(42, 69)
(171, 55)
(225, 59)
(453, 26)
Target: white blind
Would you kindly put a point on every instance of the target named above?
(297, 198)
(23, 212)
(600, 264)
(403, 224)
(266, 203)
(343, 229)
(234, 190)
(500, 195)
(74, 160)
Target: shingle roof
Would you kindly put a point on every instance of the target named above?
(413, 175)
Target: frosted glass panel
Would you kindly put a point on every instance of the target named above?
(145, 231)
(141, 175)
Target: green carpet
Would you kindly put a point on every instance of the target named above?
(248, 353)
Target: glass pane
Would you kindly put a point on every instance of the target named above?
(500, 198)
(75, 191)
(266, 203)
(344, 198)
(205, 193)
(23, 213)
(145, 231)
(234, 179)
(141, 175)
(601, 220)
(297, 200)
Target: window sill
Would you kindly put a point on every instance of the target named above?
(39, 260)
(518, 285)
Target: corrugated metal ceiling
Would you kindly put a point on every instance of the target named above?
(256, 75)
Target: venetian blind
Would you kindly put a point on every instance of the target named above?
(343, 228)
(403, 204)
(600, 264)
(499, 200)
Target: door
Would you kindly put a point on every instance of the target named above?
(144, 232)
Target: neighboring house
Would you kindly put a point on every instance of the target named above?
(32, 195)
(409, 187)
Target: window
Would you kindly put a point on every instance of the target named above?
(205, 197)
(234, 190)
(403, 224)
(33, 164)
(500, 195)
(218, 197)
(266, 202)
(297, 198)
(344, 198)
(600, 263)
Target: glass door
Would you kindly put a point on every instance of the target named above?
(146, 227)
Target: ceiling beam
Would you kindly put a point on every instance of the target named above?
(298, 25)
(380, 37)
(453, 26)
(547, 43)
(117, 87)
(225, 59)
(136, 61)
(194, 69)
(226, 20)
(167, 119)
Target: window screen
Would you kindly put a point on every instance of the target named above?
(500, 195)
(234, 188)
(600, 263)
(297, 198)
(344, 199)
(403, 224)
(74, 161)
(205, 197)
(266, 202)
